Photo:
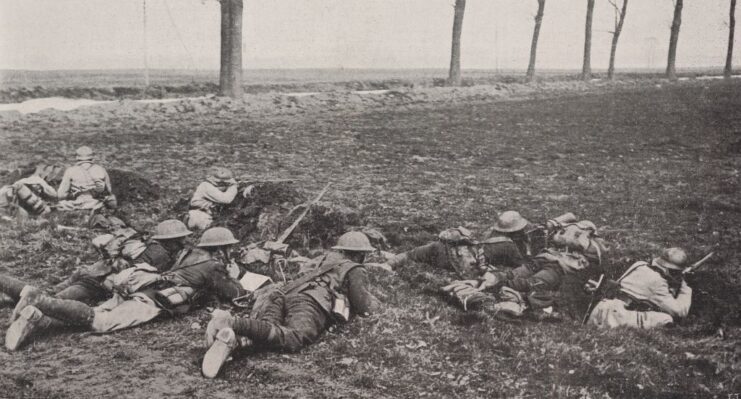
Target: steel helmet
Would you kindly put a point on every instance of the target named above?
(221, 174)
(216, 237)
(354, 241)
(672, 258)
(84, 153)
(587, 225)
(510, 221)
(169, 229)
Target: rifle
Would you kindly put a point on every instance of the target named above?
(595, 298)
(699, 263)
(279, 244)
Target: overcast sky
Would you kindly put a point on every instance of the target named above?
(104, 34)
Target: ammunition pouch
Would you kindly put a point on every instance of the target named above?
(456, 236)
(177, 299)
(340, 308)
(30, 201)
(636, 305)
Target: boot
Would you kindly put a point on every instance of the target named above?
(71, 312)
(30, 321)
(508, 310)
(11, 286)
(218, 353)
(27, 295)
(545, 314)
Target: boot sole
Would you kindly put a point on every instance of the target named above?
(23, 302)
(22, 328)
(218, 353)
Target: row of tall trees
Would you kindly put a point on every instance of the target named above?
(230, 77)
(454, 76)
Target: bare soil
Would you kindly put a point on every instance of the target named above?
(652, 164)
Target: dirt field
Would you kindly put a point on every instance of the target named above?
(651, 164)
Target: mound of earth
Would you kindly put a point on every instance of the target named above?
(714, 299)
(131, 187)
(271, 207)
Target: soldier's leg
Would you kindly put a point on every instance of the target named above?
(274, 312)
(539, 287)
(129, 313)
(44, 312)
(11, 286)
(304, 321)
(84, 290)
(648, 320)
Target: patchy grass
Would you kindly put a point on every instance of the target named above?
(654, 167)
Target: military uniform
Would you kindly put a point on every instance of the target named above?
(646, 299)
(85, 186)
(88, 284)
(462, 260)
(26, 197)
(209, 194)
(142, 294)
(296, 319)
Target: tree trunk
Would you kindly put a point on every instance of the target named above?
(615, 37)
(534, 44)
(671, 71)
(728, 71)
(230, 74)
(586, 69)
(225, 46)
(454, 76)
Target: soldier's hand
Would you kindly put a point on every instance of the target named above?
(591, 286)
(384, 266)
(233, 270)
(219, 319)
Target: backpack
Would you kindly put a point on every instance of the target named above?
(456, 236)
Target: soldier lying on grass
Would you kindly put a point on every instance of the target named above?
(93, 283)
(142, 294)
(648, 295)
(295, 315)
(514, 283)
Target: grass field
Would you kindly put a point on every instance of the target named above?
(652, 167)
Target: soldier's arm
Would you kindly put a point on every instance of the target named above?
(225, 287)
(107, 180)
(676, 307)
(49, 191)
(361, 299)
(213, 194)
(156, 256)
(427, 253)
(64, 186)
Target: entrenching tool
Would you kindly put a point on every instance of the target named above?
(595, 297)
(279, 244)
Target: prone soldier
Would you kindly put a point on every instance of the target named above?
(295, 315)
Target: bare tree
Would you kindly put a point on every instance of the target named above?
(728, 71)
(454, 76)
(586, 69)
(534, 44)
(619, 19)
(671, 71)
(230, 73)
